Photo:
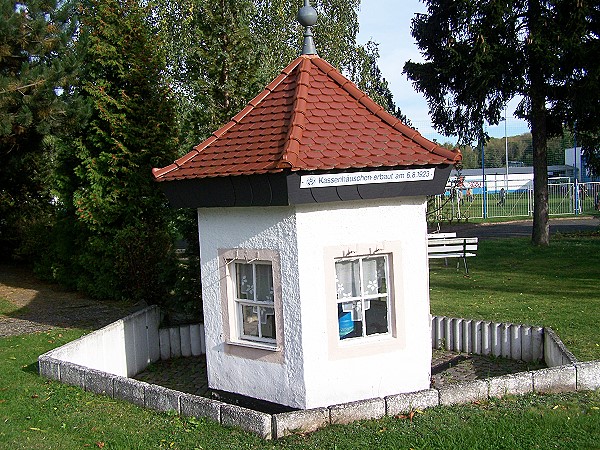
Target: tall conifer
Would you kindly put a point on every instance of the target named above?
(120, 221)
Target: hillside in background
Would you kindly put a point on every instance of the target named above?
(520, 151)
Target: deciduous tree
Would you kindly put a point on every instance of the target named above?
(481, 53)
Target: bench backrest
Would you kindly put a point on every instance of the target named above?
(440, 235)
(452, 246)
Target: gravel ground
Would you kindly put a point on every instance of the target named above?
(42, 306)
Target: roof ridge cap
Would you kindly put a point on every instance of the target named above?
(290, 151)
(251, 104)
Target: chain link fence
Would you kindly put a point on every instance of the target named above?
(496, 198)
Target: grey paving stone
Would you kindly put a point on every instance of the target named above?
(247, 419)
(196, 406)
(516, 384)
(404, 403)
(49, 367)
(161, 398)
(303, 421)
(72, 374)
(588, 375)
(129, 390)
(360, 410)
(99, 382)
(468, 392)
(555, 379)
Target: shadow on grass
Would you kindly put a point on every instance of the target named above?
(32, 368)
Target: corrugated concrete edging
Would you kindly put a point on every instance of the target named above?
(508, 340)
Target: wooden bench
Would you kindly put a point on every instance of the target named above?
(447, 245)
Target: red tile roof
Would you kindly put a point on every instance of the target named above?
(309, 118)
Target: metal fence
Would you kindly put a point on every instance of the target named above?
(475, 199)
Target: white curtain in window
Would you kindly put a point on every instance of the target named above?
(347, 278)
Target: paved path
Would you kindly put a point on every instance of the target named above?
(40, 306)
(189, 374)
(522, 228)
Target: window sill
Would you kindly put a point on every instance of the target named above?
(255, 345)
(366, 340)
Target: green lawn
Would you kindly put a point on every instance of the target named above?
(512, 281)
(509, 281)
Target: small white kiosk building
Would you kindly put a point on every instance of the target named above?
(311, 208)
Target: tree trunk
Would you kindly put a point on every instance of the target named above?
(538, 117)
(541, 227)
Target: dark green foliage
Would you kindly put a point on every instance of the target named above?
(85, 113)
(368, 76)
(280, 40)
(213, 63)
(115, 220)
(480, 54)
(35, 65)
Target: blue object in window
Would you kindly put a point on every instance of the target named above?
(346, 324)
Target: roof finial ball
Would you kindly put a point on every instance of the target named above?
(307, 16)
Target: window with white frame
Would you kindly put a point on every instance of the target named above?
(363, 297)
(254, 301)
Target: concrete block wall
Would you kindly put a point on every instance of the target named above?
(474, 336)
(126, 347)
(555, 352)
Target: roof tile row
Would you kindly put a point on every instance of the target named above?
(308, 118)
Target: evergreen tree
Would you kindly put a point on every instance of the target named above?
(212, 60)
(115, 217)
(35, 69)
(480, 54)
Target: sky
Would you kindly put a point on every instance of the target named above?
(387, 22)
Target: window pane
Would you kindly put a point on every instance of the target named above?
(264, 283)
(374, 275)
(349, 328)
(267, 322)
(376, 316)
(249, 320)
(347, 278)
(245, 281)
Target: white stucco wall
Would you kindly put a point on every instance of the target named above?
(371, 369)
(253, 228)
(317, 369)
